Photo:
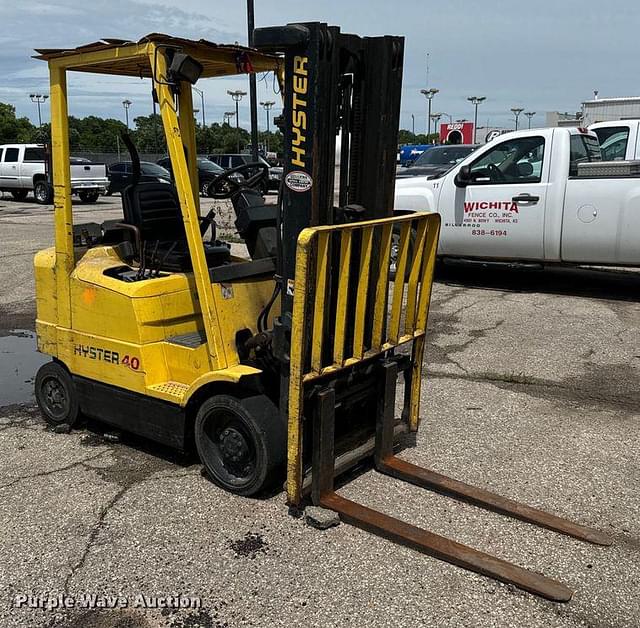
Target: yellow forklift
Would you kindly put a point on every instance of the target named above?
(284, 362)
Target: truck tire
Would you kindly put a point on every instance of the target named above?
(56, 395)
(19, 195)
(42, 192)
(88, 197)
(241, 442)
(395, 240)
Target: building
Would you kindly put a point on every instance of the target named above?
(556, 118)
(597, 110)
(605, 109)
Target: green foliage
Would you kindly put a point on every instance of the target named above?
(94, 134)
(12, 129)
(407, 137)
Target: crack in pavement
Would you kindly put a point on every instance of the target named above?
(73, 465)
(546, 389)
(100, 522)
(95, 530)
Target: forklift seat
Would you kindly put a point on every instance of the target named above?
(154, 208)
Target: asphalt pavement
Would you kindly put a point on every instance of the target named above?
(531, 389)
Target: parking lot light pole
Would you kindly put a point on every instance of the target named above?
(267, 105)
(226, 118)
(516, 112)
(237, 97)
(529, 115)
(126, 104)
(39, 99)
(429, 94)
(201, 94)
(475, 101)
(436, 118)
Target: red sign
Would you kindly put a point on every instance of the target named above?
(456, 132)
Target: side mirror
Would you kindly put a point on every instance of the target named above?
(463, 178)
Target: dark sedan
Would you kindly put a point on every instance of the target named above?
(436, 160)
(207, 171)
(120, 175)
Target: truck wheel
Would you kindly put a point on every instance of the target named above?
(88, 197)
(395, 243)
(42, 192)
(241, 442)
(19, 195)
(56, 395)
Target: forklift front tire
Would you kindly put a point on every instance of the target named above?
(56, 395)
(241, 442)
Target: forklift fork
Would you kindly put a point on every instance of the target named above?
(323, 494)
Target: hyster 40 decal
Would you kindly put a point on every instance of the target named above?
(106, 355)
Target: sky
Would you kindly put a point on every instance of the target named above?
(543, 56)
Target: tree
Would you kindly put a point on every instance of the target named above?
(12, 129)
(149, 134)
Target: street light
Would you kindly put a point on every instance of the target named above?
(237, 97)
(516, 112)
(226, 117)
(529, 115)
(475, 101)
(199, 91)
(267, 105)
(436, 118)
(429, 94)
(413, 124)
(39, 99)
(126, 104)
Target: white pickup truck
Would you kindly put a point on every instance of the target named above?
(534, 197)
(619, 140)
(22, 169)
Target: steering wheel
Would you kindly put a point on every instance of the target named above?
(231, 186)
(495, 173)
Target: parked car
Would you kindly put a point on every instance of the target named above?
(408, 153)
(436, 160)
(120, 175)
(22, 170)
(233, 160)
(207, 172)
(534, 197)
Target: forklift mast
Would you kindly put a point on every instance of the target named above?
(336, 86)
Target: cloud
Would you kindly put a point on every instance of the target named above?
(544, 55)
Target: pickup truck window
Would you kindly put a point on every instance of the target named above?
(11, 155)
(582, 148)
(34, 154)
(514, 161)
(613, 142)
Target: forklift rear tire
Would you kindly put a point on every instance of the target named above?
(241, 442)
(56, 395)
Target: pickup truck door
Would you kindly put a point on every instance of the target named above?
(499, 213)
(9, 168)
(601, 221)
